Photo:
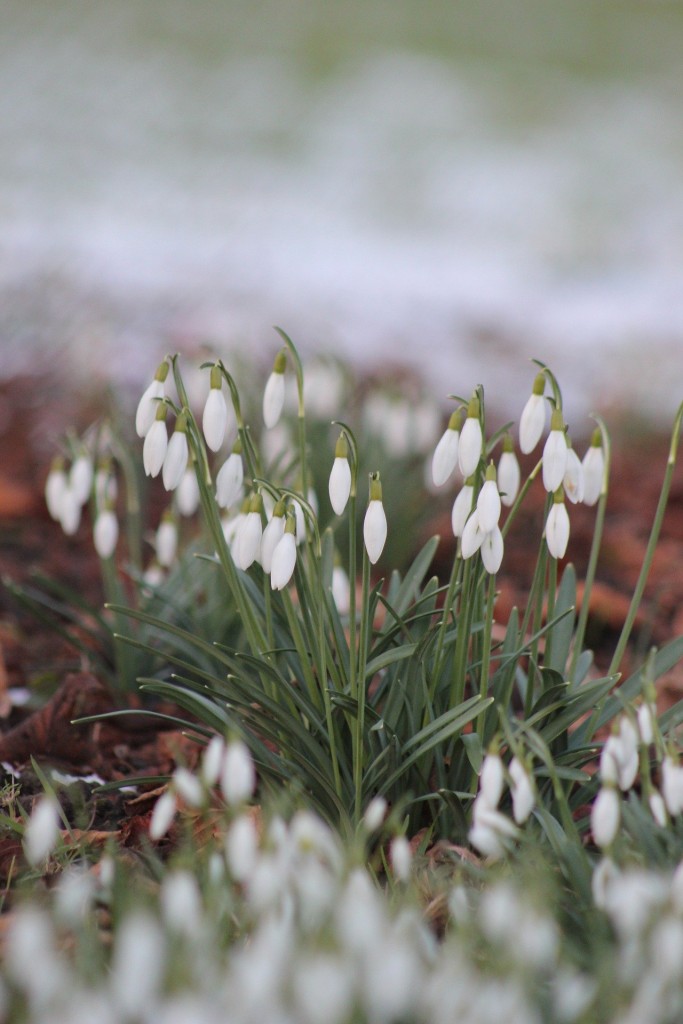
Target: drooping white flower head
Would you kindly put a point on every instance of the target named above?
(55, 486)
(212, 760)
(241, 847)
(401, 857)
(148, 404)
(492, 550)
(471, 442)
(605, 816)
(177, 455)
(274, 394)
(593, 470)
(462, 506)
(106, 532)
(445, 457)
(491, 779)
(238, 778)
(284, 556)
(272, 535)
(375, 523)
(251, 534)
(555, 453)
(488, 502)
(672, 785)
(658, 808)
(81, 477)
(523, 795)
(490, 830)
(557, 527)
(340, 476)
(230, 478)
(166, 541)
(42, 831)
(647, 717)
(472, 536)
(156, 443)
(188, 786)
(341, 590)
(532, 420)
(375, 813)
(69, 512)
(509, 473)
(215, 416)
(187, 492)
(573, 477)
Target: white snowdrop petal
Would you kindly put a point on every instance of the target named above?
(106, 533)
(81, 478)
(162, 815)
(375, 530)
(215, 419)
(462, 506)
(573, 477)
(238, 778)
(175, 460)
(470, 446)
(554, 460)
(284, 561)
(401, 857)
(187, 493)
(69, 512)
(492, 550)
(488, 506)
(593, 472)
(340, 484)
(272, 535)
(557, 530)
(55, 486)
(147, 407)
(166, 543)
(445, 457)
(491, 780)
(341, 590)
(532, 423)
(154, 448)
(273, 399)
(249, 540)
(42, 831)
(605, 816)
(229, 481)
(472, 536)
(509, 478)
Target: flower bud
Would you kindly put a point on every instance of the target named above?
(238, 778)
(166, 540)
(274, 394)
(401, 857)
(230, 478)
(81, 478)
(340, 477)
(509, 474)
(177, 455)
(215, 416)
(55, 486)
(284, 557)
(488, 502)
(555, 454)
(532, 420)
(557, 527)
(272, 535)
(471, 440)
(106, 533)
(148, 404)
(605, 816)
(187, 494)
(462, 506)
(341, 590)
(593, 470)
(250, 535)
(42, 831)
(375, 523)
(573, 477)
(523, 796)
(156, 443)
(445, 457)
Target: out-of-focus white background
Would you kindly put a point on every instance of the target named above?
(456, 185)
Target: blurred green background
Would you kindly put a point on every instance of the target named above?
(459, 186)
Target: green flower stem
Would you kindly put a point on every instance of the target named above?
(462, 636)
(446, 615)
(365, 630)
(594, 554)
(302, 648)
(353, 655)
(133, 504)
(299, 371)
(550, 612)
(486, 650)
(123, 653)
(651, 545)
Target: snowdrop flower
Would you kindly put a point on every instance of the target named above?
(488, 502)
(619, 756)
(490, 830)
(274, 394)
(69, 512)
(555, 453)
(593, 469)
(106, 533)
(241, 847)
(149, 403)
(375, 523)
(672, 785)
(471, 440)
(658, 808)
(212, 761)
(557, 527)
(341, 590)
(181, 902)
(230, 478)
(532, 421)
(137, 966)
(462, 506)
(55, 486)
(401, 857)
(187, 493)
(81, 478)
(238, 777)
(188, 786)
(573, 477)
(472, 536)
(340, 477)
(375, 813)
(177, 455)
(492, 550)
(509, 473)
(166, 542)
(445, 457)
(272, 535)
(605, 816)
(156, 443)
(215, 416)
(491, 779)
(284, 557)
(162, 816)
(251, 534)
(42, 831)
(523, 796)
(647, 717)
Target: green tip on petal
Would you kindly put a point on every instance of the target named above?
(508, 443)
(256, 503)
(455, 421)
(375, 487)
(557, 420)
(341, 449)
(216, 377)
(473, 408)
(596, 438)
(491, 472)
(539, 384)
(280, 363)
(162, 372)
